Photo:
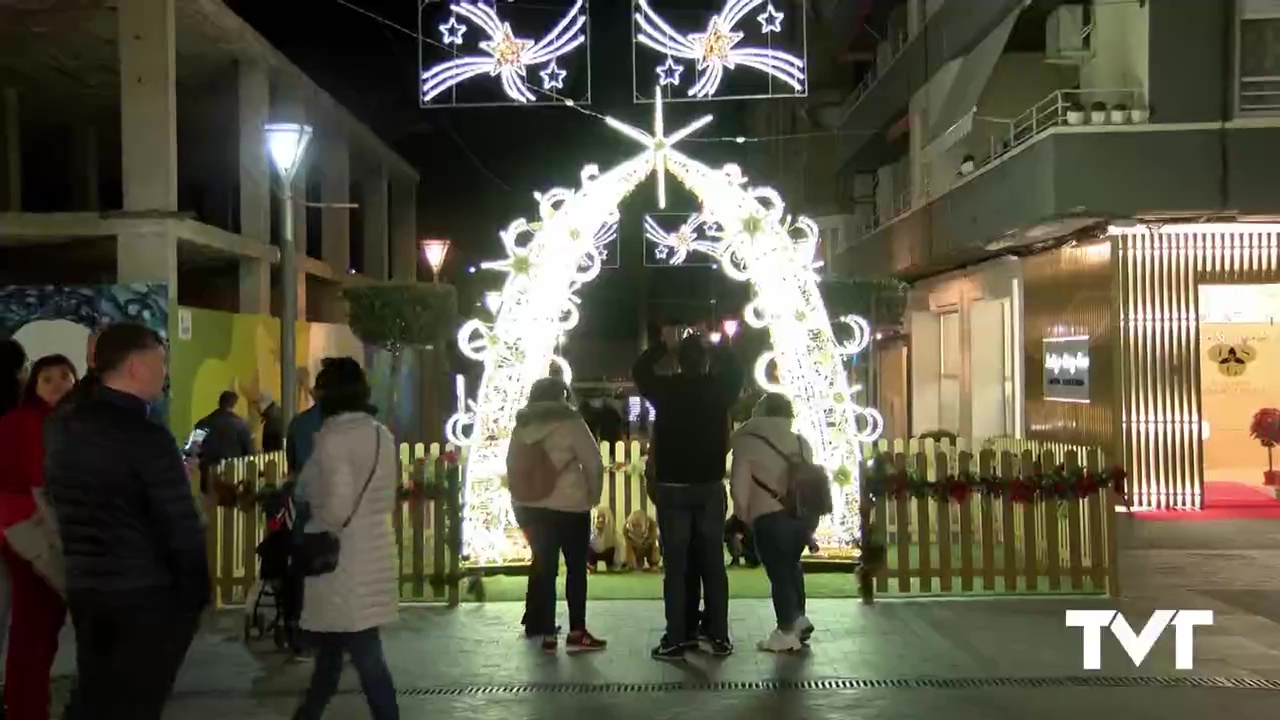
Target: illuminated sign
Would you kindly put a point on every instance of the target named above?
(516, 62)
(748, 49)
(1066, 369)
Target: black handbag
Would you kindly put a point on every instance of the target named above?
(317, 553)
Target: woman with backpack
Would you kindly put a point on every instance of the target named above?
(555, 475)
(765, 453)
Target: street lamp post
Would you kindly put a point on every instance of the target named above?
(434, 251)
(287, 145)
(730, 328)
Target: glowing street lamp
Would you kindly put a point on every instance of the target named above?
(493, 301)
(730, 327)
(287, 146)
(434, 251)
(716, 337)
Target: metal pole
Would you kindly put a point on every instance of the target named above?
(288, 311)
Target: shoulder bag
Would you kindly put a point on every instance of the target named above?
(317, 553)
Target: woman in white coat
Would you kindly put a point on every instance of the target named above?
(759, 482)
(352, 473)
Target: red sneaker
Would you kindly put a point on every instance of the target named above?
(583, 641)
(550, 643)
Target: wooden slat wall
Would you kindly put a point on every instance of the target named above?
(1158, 273)
(1069, 292)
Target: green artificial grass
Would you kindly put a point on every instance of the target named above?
(743, 583)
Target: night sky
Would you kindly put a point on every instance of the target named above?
(480, 166)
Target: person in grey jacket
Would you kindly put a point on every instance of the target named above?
(345, 609)
(560, 524)
(759, 478)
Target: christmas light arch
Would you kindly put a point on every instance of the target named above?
(550, 259)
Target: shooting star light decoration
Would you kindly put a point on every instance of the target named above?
(675, 247)
(607, 235)
(507, 56)
(716, 49)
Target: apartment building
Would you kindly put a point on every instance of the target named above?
(1083, 195)
(133, 151)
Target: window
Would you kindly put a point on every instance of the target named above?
(1258, 57)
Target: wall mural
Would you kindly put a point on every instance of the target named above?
(210, 352)
(50, 319)
(220, 351)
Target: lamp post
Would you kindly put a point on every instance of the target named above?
(287, 146)
(434, 251)
(730, 328)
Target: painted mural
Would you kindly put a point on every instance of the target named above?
(50, 319)
(215, 351)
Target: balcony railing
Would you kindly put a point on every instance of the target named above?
(897, 44)
(1066, 107)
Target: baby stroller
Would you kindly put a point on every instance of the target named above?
(270, 602)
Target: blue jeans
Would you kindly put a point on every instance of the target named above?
(553, 533)
(691, 523)
(780, 541)
(365, 648)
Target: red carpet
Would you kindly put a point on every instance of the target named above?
(1225, 501)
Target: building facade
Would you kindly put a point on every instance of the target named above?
(1077, 191)
(133, 152)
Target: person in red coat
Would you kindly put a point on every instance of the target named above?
(38, 610)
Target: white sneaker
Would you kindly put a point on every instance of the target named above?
(780, 641)
(804, 629)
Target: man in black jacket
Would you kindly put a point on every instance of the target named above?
(137, 574)
(691, 426)
(227, 436)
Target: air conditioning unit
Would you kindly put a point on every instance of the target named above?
(1067, 35)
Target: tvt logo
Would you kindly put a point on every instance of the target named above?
(1138, 645)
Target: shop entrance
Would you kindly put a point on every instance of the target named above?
(1239, 375)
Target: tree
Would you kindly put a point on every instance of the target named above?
(397, 316)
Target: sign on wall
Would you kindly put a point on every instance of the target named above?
(1066, 369)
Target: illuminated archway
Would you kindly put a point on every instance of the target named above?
(548, 260)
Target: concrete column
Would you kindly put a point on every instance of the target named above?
(148, 105)
(254, 99)
(148, 256)
(373, 206)
(85, 168)
(11, 198)
(255, 166)
(255, 286)
(404, 231)
(335, 187)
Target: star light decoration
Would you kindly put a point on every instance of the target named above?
(675, 247)
(755, 241)
(716, 49)
(508, 57)
(770, 20)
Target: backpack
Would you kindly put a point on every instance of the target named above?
(531, 475)
(808, 494)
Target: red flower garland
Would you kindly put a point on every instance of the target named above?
(1061, 483)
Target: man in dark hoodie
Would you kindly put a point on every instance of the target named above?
(691, 425)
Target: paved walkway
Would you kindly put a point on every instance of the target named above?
(894, 659)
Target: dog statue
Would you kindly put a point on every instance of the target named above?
(641, 534)
(604, 541)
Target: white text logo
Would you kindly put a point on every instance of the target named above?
(1056, 363)
(1138, 645)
